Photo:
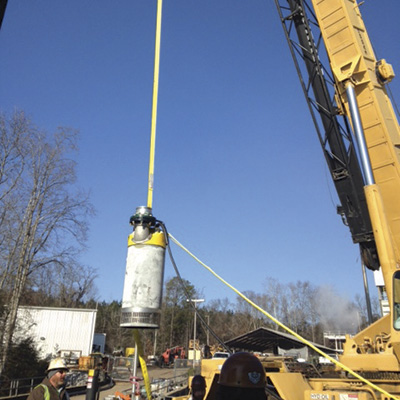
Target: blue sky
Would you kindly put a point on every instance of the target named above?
(240, 178)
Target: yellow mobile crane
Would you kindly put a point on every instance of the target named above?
(364, 160)
(360, 138)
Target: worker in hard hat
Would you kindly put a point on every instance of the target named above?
(198, 388)
(53, 386)
(242, 377)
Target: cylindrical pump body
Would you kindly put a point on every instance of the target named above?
(144, 277)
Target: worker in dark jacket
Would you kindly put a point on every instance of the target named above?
(53, 386)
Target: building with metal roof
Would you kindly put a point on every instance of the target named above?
(265, 340)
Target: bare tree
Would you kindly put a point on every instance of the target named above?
(247, 317)
(13, 133)
(44, 218)
(221, 313)
(277, 294)
(69, 285)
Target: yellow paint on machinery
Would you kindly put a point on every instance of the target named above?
(375, 351)
(156, 239)
(353, 63)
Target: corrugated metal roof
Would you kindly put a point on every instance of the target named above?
(267, 340)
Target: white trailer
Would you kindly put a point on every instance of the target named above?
(57, 331)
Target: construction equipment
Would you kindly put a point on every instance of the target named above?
(170, 355)
(360, 138)
(364, 161)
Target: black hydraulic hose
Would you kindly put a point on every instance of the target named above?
(219, 340)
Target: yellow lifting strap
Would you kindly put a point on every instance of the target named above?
(154, 107)
(151, 173)
(143, 365)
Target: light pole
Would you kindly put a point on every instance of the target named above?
(208, 329)
(195, 301)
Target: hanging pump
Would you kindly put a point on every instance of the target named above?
(144, 275)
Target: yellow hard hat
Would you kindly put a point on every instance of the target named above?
(57, 363)
(242, 370)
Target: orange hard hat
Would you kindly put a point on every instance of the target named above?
(242, 370)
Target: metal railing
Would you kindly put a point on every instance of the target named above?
(18, 387)
(22, 387)
(121, 369)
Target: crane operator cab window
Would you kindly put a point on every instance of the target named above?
(396, 300)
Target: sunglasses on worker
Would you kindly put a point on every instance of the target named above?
(62, 371)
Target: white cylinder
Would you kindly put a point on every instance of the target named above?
(143, 286)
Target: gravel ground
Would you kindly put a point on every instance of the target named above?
(126, 387)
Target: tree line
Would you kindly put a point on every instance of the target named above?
(227, 319)
(44, 220)
(307, 309)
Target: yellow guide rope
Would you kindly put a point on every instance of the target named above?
(305, 341)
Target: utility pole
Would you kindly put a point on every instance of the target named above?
(195, 302)
(208, 329)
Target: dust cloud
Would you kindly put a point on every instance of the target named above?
(336, 313)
